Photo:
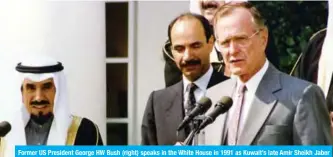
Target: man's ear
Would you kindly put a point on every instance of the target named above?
(211, 40)
(264, 36)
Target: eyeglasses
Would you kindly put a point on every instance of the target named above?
(241, 41)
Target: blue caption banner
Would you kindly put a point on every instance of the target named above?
(144, 151)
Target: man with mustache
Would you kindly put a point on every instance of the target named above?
(269, 107)
(207, 8)
(172, 73)
(44, 117)
(191, 43)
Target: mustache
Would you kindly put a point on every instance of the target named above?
(191, 62)
(42, 102)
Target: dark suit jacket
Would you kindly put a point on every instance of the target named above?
(165, 111)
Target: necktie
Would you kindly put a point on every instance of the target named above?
(233, 129)
(190, 104)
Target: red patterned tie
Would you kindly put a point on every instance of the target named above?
(234, 119)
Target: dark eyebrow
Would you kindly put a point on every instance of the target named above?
(30, 85)
(177, 46)
(48, 84)
(241, 35)
(195, 43)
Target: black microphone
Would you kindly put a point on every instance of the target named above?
(221, 107)
(202, 106)
(4, 128)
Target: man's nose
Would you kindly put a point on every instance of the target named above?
(233, 48)
(39, 95)
(187, 54)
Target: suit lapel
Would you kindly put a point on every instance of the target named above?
(174, 111)
(215, 132)
(216, 78)
(225, 116)
(263, 103)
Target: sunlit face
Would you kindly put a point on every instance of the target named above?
(190, 48)
(241, 43)
(209, 7)
(38, 97)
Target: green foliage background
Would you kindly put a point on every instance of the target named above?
(292, 23)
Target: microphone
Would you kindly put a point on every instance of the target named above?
(221, 107)
(202, 106)
(5, 127)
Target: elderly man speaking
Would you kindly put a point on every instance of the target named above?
(44, 117)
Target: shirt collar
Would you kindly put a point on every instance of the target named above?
(253, 83)
(201, 82)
